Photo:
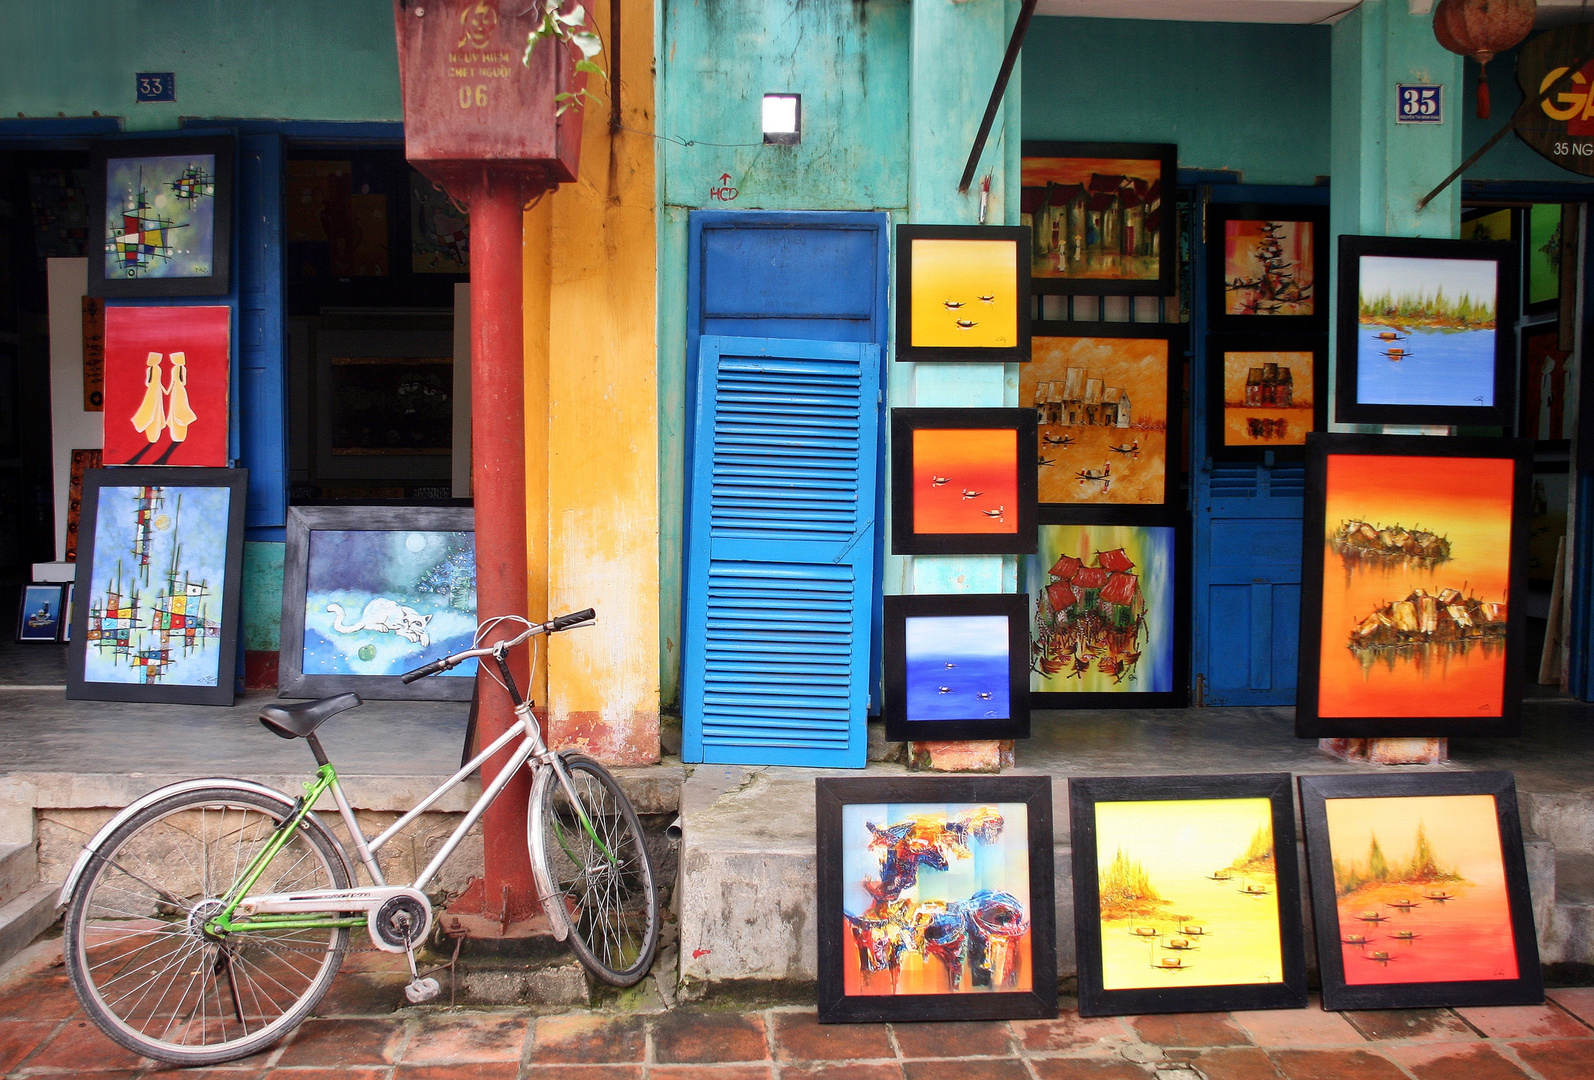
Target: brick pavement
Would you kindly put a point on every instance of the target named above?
(361, 1037)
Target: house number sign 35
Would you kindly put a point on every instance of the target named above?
(1417, 103)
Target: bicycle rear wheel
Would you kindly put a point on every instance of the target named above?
(136, 949)
(602, 874)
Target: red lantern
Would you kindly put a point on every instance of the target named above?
(1480, 29)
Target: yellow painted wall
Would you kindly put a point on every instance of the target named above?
(592, 418)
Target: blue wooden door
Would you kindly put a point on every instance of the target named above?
(1247, 523)
(780, 573)
(262, 386)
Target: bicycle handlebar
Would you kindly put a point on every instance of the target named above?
(561, 622)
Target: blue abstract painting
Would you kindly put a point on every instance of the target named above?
(957, 667)
(160, 216)
(384, 602)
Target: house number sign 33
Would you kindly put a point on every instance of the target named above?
(1417, 103)
(154, 86)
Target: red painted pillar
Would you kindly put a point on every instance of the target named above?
(498, 477)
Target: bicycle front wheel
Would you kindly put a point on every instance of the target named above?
(596, 857)
(136, 948)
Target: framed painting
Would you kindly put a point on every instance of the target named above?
(39, 616)
(1107, 611)
(1186, 894)
(82, 462)
(159, 579)
(962, 481)
(955, 667)
(370, 592)
(1490, 223)
(1267, 267)
(162, 211)
(1425, 331)
(1545, 367)
(1412, 586)
(963, 292)
(1420, 891)
(1106, 425)
(1098, 218)
(935, 898)
(1541, 256)
(1265, 393)
(66, 612)
(166, 385)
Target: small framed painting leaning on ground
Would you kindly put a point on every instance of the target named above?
(935, 898)
(962, 481)
(1413, 586)
(955, 667)
(1426, 331)
(1420, 891)
(1186, 894)
(963, 292)
(39, 618)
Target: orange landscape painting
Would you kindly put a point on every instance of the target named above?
(1416, 566)
(965, 480)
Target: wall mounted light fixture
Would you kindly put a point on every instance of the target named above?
(783, 119)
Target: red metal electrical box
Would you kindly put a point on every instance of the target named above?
(469, 99)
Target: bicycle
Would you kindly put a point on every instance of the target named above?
(205, 921)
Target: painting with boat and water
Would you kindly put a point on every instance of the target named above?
(1185, 894)
(955, 667)
(963, 481)
(1419, 891)
(935, 898)
(1425, 331)
(963, 293)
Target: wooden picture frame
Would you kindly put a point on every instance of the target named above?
(1267, 268)
(1134, 949)
(956, 666)
(963, 293)
(370, 592)
(160, 216)
(1406, 354)
(39, 612)
(160, 550)
(1083, 190)
(1450, 864)
(994, 899)
(1107, 401)
(985, 502)
(1137, 656)
(1254, 384)
(1387, 516)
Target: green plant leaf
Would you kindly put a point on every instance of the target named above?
(591, 69)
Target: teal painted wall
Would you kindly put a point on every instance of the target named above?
(262, 596)
(290, 59)
(1248, 97)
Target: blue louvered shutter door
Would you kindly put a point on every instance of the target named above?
(780, 566)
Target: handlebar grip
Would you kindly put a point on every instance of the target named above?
(564, 622)
(424, 670)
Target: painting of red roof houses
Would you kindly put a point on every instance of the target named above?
(1095, 218)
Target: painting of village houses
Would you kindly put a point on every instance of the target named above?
(1269, 397)
(1097, 216)
(1102, 405)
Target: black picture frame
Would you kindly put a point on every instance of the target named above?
(1163, 518)
(1173, 334)
(105, 154)
(966, 724)
(904, 540)
(91, 567)
(1219, 346)
(832, 795)
(1166, 155)
(303, 522)
(1526, 989)
(1320, 446)
(1219, 318)
(1085, 794)
(1350, 408)
(39, 613)
(906, 347)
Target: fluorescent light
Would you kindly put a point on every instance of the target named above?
(783, 118)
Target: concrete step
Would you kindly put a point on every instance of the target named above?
(25, 918)
(19, 870)
(1568, 936)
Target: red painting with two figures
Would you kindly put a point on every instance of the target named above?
(166, 381)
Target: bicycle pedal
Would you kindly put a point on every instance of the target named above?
(422, 990)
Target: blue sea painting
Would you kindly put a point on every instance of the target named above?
(384, 602)
(1435, 367)
(957, 667)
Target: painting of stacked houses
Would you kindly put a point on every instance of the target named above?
(155, 610)
(1093, 218)
(1268, 397)
(1102, 404)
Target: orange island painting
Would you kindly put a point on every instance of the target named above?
(1416, 569)
(1188, 893)
(1420, 889)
